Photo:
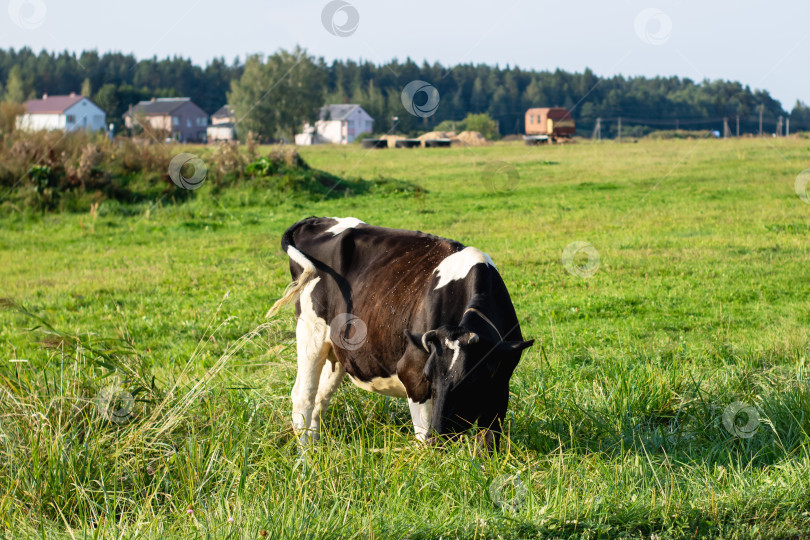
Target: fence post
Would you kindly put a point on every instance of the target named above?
(760, 120)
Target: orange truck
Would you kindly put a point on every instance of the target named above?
(548, 124)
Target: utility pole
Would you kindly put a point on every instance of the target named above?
(738, 125)
(726, 129)
(677, 124)
(760, 120)
(620, 129)
(779, 127)
(787, 129)
(597, 130)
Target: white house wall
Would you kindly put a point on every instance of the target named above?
(357, 123)
(83, 115)
(86, 116)
(331, 130)
(337, 131)
(301, 139)
(37, 122)
(217, 133)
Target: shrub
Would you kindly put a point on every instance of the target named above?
(363, 136)
(8, 116)
(680, 134)
(484, 124)
(56, 171)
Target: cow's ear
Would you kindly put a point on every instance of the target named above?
(421, 340)
(514, 346)
(430, 365)
(414, 338)
(506, 365)
(410, 370)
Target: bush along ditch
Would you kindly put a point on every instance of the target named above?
(75, 172)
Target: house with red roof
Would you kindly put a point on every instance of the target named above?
(65, 113)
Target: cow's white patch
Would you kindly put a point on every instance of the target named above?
(420, 414)
(308, 316)
(459, 264)
(343, 224)
(455, 347)
(387, 386)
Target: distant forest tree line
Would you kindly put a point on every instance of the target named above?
(115, 81)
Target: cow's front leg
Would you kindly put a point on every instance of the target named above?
(421, 414)
(332, 375)
(410, 369)
(311, 340)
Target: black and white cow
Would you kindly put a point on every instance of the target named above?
(404, 314)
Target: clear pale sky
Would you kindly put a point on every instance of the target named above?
(762, 44)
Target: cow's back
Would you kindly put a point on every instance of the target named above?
(383, 276)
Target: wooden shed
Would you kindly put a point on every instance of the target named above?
(551, 121)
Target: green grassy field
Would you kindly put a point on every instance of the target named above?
(621, 421)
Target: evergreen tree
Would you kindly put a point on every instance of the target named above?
(534, 96)
(800, 117)
(121, 80)
(478, 99)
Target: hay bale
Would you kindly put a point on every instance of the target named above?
(472, 138)
(392, 139)
(431, 135)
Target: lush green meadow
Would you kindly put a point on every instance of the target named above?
(700, 300)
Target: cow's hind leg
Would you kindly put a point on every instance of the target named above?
(312, 343)
(332, 375)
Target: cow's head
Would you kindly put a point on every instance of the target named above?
(468, 378)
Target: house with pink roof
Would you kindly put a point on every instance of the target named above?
(65, 113)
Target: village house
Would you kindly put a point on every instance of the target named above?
(64, 113)
(181, 118)
(223, 125)
(338, 124)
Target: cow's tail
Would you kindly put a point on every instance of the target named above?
(294, 289)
